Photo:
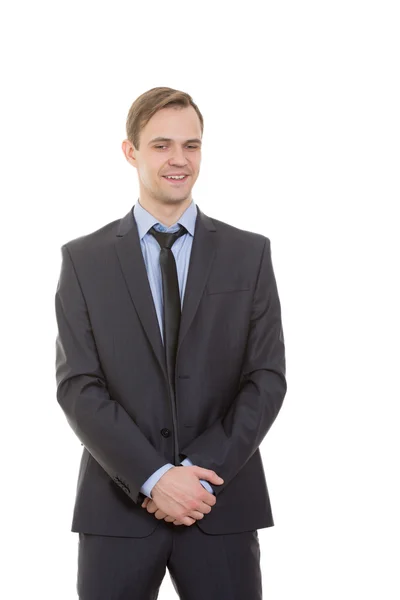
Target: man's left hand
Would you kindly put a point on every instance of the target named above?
(151, 507)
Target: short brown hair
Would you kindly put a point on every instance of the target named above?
(146, 105)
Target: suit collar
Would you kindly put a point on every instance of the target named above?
(189, 221)
(145, 220)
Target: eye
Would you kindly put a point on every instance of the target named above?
(189, 146)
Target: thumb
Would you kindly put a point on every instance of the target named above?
(208, 475)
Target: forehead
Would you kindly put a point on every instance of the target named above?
(176, 123)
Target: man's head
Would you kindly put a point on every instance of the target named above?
(164, 129)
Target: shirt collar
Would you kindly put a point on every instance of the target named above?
(146, 220)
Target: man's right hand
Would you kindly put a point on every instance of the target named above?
(180, 494)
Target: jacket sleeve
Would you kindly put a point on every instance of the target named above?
(102, 425)
(228, 443)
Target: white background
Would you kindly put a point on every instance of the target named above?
(301, 143)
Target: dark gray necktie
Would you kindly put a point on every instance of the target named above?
(171, 297)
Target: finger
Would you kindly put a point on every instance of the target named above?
(159, 514)
(169, 519)
(152, 507)
(208, 475)
(196, 515)
(208, 498)
(204, 508)
(185, 521)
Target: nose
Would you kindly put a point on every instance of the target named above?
(178, 157)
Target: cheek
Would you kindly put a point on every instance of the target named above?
(149, 175)
(197, 164)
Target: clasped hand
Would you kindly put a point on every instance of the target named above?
(179, 497)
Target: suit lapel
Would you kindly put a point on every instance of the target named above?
(130, 256)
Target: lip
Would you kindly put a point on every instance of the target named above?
(176, 181)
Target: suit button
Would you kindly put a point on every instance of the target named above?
(165, 432)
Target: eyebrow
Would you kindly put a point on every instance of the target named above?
(164, 139)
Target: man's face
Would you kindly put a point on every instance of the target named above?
(179, 153)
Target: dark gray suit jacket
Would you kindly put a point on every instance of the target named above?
(113, 387)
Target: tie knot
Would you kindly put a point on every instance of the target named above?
(165, 238)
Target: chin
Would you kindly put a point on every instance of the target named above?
(174, 199)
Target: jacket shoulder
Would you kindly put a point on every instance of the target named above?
(94, 240)
(237, 234)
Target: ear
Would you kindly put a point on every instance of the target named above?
(129, 152)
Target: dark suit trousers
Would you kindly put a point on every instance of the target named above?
(201, 566)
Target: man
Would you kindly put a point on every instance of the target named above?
(170, 368)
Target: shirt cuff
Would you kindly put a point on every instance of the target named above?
(152, 480)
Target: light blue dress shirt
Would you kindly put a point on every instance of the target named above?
(151, 253)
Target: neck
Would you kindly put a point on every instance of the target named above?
(166, 213)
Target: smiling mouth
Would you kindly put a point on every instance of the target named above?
(176, 181)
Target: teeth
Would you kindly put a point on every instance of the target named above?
(175, 176)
